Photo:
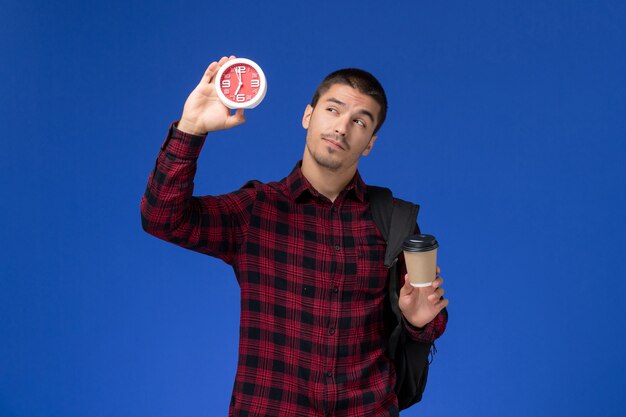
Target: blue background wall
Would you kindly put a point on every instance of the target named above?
(515, 110)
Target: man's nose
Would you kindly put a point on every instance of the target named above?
(341, 126)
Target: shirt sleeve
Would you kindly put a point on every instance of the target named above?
(431, 332)
(213, 225)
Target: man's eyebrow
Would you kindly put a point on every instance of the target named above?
(337, 101)
(342, 104)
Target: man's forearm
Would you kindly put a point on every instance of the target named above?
(168, 195)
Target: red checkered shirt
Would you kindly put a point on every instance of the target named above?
(314, 316)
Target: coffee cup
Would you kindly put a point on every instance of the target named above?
(420, 256)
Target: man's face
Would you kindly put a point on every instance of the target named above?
(340, 128)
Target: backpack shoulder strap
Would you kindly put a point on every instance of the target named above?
(381, 206)
(395, 219)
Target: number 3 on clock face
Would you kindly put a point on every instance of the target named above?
(240, 84)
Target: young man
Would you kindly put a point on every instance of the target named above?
(306, 253)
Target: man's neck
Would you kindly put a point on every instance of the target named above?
(326, 182)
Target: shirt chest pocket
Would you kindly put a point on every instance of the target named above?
(365, 273)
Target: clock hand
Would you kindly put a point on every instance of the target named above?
(240, 81)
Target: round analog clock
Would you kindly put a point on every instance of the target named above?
(240, 84)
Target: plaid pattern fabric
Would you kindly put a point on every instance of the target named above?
(313, 306)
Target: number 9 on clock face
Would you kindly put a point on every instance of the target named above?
(240, 84)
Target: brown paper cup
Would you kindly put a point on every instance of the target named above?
(421, 267)
(420, 256)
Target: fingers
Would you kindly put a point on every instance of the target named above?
(214, 67)
(441, 304)
(235, 119)
(436, 295)
(407, 283)
(210, 72)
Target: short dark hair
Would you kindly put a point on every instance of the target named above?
(358, 79)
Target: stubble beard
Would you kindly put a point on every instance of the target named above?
(326, 161)
(324, 158)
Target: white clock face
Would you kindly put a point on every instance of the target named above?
(240, 84)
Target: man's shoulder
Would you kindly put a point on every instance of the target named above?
(376, 191)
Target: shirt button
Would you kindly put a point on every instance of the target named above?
(332, 330)
(337, 247)
(335, 290)
(329, 374)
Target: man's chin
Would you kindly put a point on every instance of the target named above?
(327, 162)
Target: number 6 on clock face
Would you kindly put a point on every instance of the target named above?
(240, 84)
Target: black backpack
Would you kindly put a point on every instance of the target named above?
(396, 219)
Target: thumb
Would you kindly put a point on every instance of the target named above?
(407, 288)
(236, 119)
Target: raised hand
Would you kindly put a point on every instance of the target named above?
(203, 111)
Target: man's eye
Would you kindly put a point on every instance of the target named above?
(360, 122)
(332, 110)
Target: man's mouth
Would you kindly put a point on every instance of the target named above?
(333, 142)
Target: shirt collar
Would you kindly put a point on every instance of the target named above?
(296, 185)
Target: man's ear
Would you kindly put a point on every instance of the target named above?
(369, 146)
(306, 117)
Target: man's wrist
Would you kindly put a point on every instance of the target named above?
(179, 144)
(412, 326)
(190, 128)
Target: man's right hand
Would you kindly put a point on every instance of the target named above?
(203, 111)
